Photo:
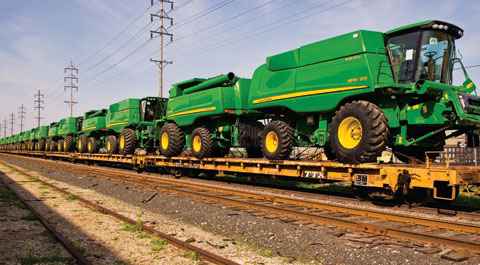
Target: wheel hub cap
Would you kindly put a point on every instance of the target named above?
(271, 141)
(197, 143)
(164, 140)
(350, 132)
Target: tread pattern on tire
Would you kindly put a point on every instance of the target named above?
(176, 140)
(93, 145)
(207, 142)
(82, 142)
(130, 143)
(285, 137)
(112, 139)
(68, 144)
(375, 132)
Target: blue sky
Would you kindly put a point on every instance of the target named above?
(211, 37)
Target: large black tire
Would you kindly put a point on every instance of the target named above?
(358, 132)
(41, 145)
(201, 143)
(277, 140)
(60, 146)
(82, 145)
(53, 146)
(47, 145)
(172, 140)
(68, 144)
(127, 142)
(112, 145)
(92, 145)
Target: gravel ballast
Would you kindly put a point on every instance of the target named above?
(287, 242)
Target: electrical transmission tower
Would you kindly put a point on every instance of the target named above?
(71, 77)
(21, 116)
(5, 128)
(161, 31)
(12, 122)
(39, 105)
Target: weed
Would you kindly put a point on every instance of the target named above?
(133, 228)
(71, 197)
(13, 170)
(159, 242)
(100, 222)
(118, 262)
(43, 187)
(192, 255)
(79, 248)
(157, 248)
(143, 235)
(268, 253)
(32, 258)
(29, 217)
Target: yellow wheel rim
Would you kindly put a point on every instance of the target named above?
(271, 141)
(108, 146)
(64, 145)
(122, 142)
(89, 146)
(197, 143)
(80, 145)
(164, 140)
(350, 132)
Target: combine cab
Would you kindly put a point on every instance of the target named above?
(130, 124)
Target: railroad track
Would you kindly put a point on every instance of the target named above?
(456, 235)
(208, 256)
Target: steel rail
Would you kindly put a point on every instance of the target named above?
(427, 237)
(65, 243)
(209, 256)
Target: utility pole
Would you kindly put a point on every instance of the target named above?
(161, 31)
(5, 128)
(21, 116)
(39, 105)
(71, 77)
(12, 121)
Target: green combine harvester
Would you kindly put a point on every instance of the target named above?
(353, 95)
(53, 137)
(93, 135)
(68, 129)
(41, 134)
(131, 123)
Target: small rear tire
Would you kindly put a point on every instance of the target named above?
(92, 145)
(128, 142)
(60, 146)
(172, 140)
(68, 144)
(277, 140)
(201, 143)
(82, 143)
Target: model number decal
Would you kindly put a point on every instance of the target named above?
(356, 79)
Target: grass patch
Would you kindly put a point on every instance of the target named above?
(192, 255)
(133, 228)
(29, 217)
(159, 242)
(32, 258)
(71, 197)
(13, 170)
(8, 197)
(143, 235)
(268, 253)
(79, 248)
(157, 248)
(42, 187)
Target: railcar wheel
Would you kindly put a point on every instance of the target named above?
(360, 193)
(112, 146)
(416, 196)
(82, 143)
(201, 142)
(277, 140)
(128, 142)
(68, 144)
(60, 145)
(358, 132)
(172, 140)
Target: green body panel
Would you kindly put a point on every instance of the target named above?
(41, 132)
(94, 122)
(327, 71)
(25, 136)
(122, 114)
(16, 138)
(33, 132)
(69, 126)
(53, 130)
